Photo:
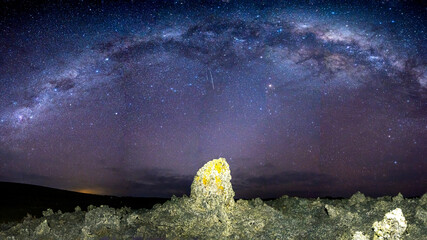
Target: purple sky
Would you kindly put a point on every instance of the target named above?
(132, 100)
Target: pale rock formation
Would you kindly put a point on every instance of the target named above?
(211, 188)
(391, 227)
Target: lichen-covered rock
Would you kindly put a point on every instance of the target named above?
(133, 218)
(423, 199)
(345, 217)
(391, 227)
(332, 211)
(421, 214)
(360, 236)
(43, 228)
(100, 221)
(357, 198)
(48, 212)
(77, 209)
(398, 198)
(180, 219)
(211, 187)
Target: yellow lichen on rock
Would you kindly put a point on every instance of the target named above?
(212, 185)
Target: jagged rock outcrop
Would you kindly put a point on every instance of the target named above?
(391, 227)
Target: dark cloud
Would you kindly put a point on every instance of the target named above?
(151, 183)
(292, 177)
(20, 176)
(401, 176)
(15, 169)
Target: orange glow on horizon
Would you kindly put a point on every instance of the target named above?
(90, 191)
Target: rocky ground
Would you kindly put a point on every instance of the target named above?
(284, 218)
(212, 213)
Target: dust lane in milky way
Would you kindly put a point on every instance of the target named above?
(309, 101)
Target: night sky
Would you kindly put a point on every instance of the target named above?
(131, 99)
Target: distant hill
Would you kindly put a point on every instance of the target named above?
(18, 199)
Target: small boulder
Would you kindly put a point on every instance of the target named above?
(398, 198)
(357, 198)
(77, 209)
(100, 222)
(48, 212)
(43, 228)
(421, 214)
(391, 227)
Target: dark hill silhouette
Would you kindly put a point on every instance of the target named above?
(18, 199)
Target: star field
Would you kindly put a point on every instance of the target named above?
(131, 99)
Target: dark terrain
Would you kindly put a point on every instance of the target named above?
(19, 199)
(53, 214)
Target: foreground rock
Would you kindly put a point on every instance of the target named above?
(393, 226)
(211, 188)
(211, 213)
